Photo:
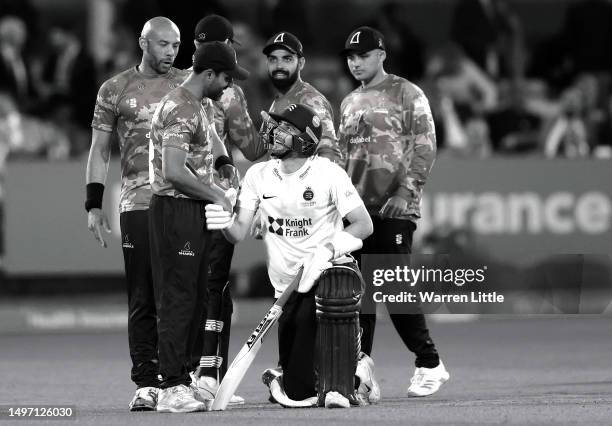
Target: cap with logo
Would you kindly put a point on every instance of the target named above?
(219, 56)
(214, 28)
(306, 120)
(284, 40)
(362, 40)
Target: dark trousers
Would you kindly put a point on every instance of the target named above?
(297, 332)
(142, 318)
(394, 236)
(179, 253)
(211, 343)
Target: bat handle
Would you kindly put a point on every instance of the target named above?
(289, 290)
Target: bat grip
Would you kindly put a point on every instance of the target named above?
(289, 290)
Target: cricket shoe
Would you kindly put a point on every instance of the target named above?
(145, 399)
(335, 399)
(273, 379)
(207, 387)
(368, 390)
(268, 376)
(427, 381)
(179, 399)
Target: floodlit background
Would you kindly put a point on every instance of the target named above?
(521, 95)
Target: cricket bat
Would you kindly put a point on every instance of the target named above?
(245, 357)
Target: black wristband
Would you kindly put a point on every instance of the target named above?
(95, 191)
(222, 161)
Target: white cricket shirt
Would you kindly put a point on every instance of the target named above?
(299, 210)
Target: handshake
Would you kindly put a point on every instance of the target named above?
(217, 218)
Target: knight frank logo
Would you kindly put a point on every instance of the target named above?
(126, 242)
(290, 227)
(186, 250)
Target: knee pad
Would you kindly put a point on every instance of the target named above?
(338, 299)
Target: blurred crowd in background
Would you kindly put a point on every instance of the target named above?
(493, 87)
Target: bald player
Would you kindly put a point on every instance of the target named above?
(125, 104)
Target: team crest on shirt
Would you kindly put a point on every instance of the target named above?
(308, 196)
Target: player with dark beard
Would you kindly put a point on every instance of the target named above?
(285, 61)
(236, 129)
(183, 137)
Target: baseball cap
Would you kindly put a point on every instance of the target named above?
(219, 56)
(302, 117)
(214, 28)
(362, 40)
(284, 40)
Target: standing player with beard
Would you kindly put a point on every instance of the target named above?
(285, 60)
(182, 136)
(388, 135)
(235, 127)
(125, 104)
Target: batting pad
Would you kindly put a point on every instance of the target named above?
(338, 299)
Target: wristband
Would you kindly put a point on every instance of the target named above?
(222, 161)
(94, 192)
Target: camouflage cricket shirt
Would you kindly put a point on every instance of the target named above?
(126, 102)
(305, 94)
(234, 125)
(388, 137)
(180, 121)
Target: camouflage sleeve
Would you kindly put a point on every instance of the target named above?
(328, 147)
(342, 141)
(241, 131)
(106, 112)
(178, 129)
(420, 150)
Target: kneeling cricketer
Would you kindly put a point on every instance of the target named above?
(303, 199)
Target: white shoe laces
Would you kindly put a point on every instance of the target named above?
(182, 393)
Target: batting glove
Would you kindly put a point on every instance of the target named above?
(217, 218)
(314, 267)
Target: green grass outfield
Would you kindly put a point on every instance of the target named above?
(503, 371)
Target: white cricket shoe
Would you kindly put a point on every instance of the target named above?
(207, 388)
(179, 399)
(335, 399)
(145, 399)
(368, 389)
(427, 381)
